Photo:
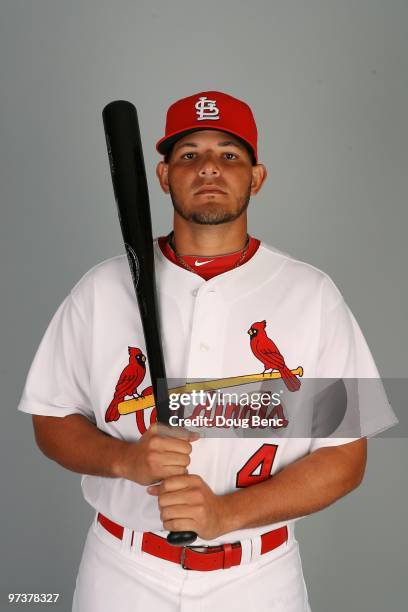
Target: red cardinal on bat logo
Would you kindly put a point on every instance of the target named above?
(128, 382)
(268, 353)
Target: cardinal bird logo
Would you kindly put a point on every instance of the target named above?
(268, 353)
(128, 382)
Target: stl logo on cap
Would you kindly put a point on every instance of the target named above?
(207, 109)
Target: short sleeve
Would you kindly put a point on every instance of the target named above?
(344, 354)
(57, 383)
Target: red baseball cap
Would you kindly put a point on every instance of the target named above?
(209, 110)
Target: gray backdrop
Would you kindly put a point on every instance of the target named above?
(327, 81)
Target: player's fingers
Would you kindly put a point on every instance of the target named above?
(165, 474)
(177, 511)
(181, 433)
(175, 482)
(181, 524)
(174, 445)
(173, 470)
(190, 497)
(170, 459)
(162, 463)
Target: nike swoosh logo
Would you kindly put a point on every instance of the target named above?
(201, 263)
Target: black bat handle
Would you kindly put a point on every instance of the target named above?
(181, 538)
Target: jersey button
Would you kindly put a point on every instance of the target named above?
(204, 347)
(194, 292)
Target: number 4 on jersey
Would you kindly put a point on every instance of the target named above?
(258, 467)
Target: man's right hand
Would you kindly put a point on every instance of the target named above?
(162, 451)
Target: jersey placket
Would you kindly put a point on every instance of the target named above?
(205, 350)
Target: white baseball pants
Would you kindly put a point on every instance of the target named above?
(114, 576)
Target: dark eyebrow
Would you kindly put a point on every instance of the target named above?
(225, 143)
(185, 144)
(230, 143)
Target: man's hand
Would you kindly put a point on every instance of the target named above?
(161, 452)
(188, 504)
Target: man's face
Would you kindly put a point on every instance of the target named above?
(209, 176)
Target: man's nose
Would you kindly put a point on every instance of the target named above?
(209, 167)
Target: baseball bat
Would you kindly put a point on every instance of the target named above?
(132, 199)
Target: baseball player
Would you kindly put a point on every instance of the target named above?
(230, 306)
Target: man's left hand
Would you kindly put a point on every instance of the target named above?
(187, 503)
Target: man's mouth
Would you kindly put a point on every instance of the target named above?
(209, 190)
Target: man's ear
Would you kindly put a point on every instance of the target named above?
(259, 174)
(162, 175)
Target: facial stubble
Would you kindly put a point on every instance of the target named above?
(213, 213)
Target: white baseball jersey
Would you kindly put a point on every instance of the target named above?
(96, 333)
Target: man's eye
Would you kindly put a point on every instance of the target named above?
(230, 156)
(186, 156)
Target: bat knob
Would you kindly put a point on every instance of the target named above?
(181, 538)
